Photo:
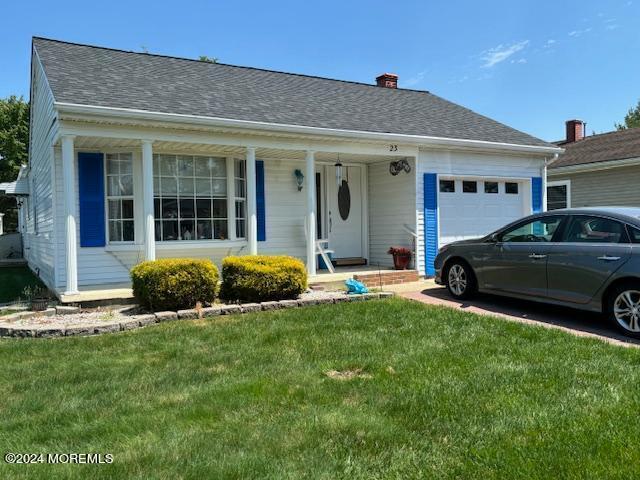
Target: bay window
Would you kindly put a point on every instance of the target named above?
(190, 197)
(120, 200)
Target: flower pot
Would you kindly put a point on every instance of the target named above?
(401, 262)
(39, 304)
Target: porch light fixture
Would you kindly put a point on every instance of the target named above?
(401, 165)
(338, 166)
(299, 179)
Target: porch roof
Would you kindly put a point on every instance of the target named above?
(94, 76)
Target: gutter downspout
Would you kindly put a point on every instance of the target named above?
(547, 162)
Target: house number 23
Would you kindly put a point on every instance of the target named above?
(393, 148)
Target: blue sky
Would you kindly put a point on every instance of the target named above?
(529, 64)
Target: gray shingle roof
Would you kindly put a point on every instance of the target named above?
(603, 147)
(98, 76)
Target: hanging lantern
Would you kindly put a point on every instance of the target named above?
(338, 172)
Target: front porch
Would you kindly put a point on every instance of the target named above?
(241, 195)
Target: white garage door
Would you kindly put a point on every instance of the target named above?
(475, 207)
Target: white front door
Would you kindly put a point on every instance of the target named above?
(344, 212)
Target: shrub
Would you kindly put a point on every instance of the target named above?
(174, 283)
(261, 278)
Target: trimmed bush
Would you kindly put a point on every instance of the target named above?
(174, 283)
(261, 278)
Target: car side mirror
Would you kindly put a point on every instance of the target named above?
(494, 238)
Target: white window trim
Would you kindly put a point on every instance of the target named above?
(559, 183)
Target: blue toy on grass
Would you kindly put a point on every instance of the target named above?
(354, 287)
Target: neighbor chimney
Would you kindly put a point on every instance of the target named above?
(575, 130)
(387, 80)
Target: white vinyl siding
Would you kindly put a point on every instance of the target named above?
(39, 233)
(391, 206)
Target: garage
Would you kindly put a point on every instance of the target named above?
(471, 207)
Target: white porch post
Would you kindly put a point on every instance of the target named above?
(69, 180)
(310, 185)
(147, 200)
(252, 218)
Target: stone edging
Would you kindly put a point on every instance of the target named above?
(44, 331)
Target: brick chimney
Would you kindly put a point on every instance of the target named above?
(575, 130)
(387, 80)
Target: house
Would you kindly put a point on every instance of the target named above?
(599, 170)
(136, 156)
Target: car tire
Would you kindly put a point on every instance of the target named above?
(460, 280)
(623, 308)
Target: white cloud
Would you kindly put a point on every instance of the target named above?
(520, 60)
(577, 33)
(415, 80)
(611, 26)
(498, 54)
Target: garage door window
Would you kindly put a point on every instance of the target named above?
(511, 188)
(490, 187)
(447, 186)
(469, 187)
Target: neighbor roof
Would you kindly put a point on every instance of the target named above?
(88, 75)
(605, 147)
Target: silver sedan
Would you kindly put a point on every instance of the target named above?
(581, 258)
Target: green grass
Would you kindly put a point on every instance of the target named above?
(13, 281)
(448, 395)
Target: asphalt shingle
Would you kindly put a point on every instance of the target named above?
(89, 75)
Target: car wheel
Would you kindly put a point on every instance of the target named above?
(461, 281)
(623, 308)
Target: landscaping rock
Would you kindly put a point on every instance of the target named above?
(190, 314)
(250, 307)
(78, 330)
(5, 331)
(149, 319)
(272, 305)
(66, 310)
(341, 299)
(356, 298)
(305, 302)
(164, 316)
(45, 332)
(211, 311)
(370, 296)
(130, 324)
(22, 332)
(112, 327)
(230, 309)
(288, 303)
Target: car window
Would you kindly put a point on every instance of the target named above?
(634, 233)
(585, 229)
(539, 230)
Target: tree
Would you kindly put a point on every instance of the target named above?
(631, 119)
(204, 58)
(14, 150)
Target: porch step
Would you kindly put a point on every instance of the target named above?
(350, 261)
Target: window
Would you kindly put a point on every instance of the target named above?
(584, 229)
(490, 187)
(558, 195)
(447, 186)
(190, 197)
(120, 197)
(634, 234)
(240, 198)
(511, 188)
(469, 186)
(540, 230)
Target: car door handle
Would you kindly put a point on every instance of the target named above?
(537, 256)
(607, 258)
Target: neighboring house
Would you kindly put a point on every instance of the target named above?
(600, 170)
(136, 156)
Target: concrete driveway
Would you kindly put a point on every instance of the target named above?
(577, 322)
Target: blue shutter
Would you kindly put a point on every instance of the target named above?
(91, 193)
(430, 221)
(536, 194)
(260, 203)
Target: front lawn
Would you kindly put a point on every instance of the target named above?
(414, 391)
(13, 280)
